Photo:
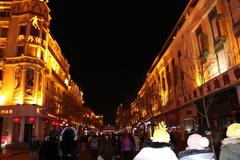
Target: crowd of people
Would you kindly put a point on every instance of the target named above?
(67, 145)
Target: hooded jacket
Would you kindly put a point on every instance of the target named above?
(230, 149)
(194, 154)
(155, 151)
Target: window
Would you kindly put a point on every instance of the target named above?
(168, 77)
(163, 82)
(235, 11)
(198, 34)
(213, 22)
(203, 45)
(1, 75)
(4, 32)
(44, 36)
(29, 81)
(34, 31)
(175, 76)
(22, 30)
(20, 50)
(2, 50)
(42, 55)
(4, 14)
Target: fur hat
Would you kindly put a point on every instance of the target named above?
(233, 130)
(196, 141)
(160, 134)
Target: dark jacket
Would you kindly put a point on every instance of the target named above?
(49, 150)
(34, 144)
(192, 154)
(230, 149)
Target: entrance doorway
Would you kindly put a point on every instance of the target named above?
(28, 132)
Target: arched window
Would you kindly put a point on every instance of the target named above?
(29, 81)
(18, 75)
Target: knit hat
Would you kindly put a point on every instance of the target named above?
(196, 141)
(160, 134)
(233, 130)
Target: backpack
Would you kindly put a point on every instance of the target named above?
(94, 143)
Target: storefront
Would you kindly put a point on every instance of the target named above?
(19, 123)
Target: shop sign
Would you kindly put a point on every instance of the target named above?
(6, 111)
(230, 77)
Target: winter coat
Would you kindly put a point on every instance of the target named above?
(194, 154)
(49, 150)
(156, 151)
(127, 144)
(230, 149)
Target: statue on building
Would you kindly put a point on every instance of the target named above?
(34, 21)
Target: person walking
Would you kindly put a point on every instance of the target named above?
(94, 144)
(106, 151)
(230, 149)
(117, 146)
(197, 149)
(69, 149)
(34, 145)
(127, 147)
(158, 147)
(49, 149)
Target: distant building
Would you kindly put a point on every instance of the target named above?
(34, 74)
(200, 58)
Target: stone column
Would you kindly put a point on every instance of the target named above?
(36, 127)
(238, 92)
(36, 81)
(21, 133)
(10, 130)
(23, 82)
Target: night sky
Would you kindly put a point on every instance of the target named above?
(111, 45)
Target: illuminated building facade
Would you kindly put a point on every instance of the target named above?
(199, 59)
(34, 75)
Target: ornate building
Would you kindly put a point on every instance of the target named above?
(34, 74)
(194, 81)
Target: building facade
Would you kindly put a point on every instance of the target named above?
(34, 74)
(195, 78)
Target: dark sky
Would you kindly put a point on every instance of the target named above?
(111, 45)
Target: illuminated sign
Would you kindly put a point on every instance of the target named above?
(31, 39)
(6, 111)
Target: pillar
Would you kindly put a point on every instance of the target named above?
(21, 133)
(36, 128)
(10, 130)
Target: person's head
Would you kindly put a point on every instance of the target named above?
(233, 130)
(106, 137)
(53, 135)
(69, 134)
(196, 141)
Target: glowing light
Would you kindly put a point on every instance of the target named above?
(16, 120)
(66, 81)
(31, 119)
(39, 53)
(39, 101)
(2, 100)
